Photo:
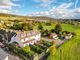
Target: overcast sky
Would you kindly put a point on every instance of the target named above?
(51, 8)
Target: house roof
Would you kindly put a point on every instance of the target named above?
(53, 34)
(27, 36)
(26, 33)
(28, 41)
(68, 34)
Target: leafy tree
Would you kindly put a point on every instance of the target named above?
(26, 49)
(52, 51)
(48, 24)
(36, 48)
(74, 34)
(58, 28)
(22, 26)
(45, 32)
(40, 27)
(52, 30)
(25, 27)
(17, 26)
(30, 26)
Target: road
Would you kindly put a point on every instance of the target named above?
(4, 54)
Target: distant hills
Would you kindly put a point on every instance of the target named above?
(6, 14)
(33, 17)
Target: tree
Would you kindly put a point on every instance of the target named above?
(52, 30)
(40, 27)
(48, 24)
(52, 51)
(22, 26)
(58, 28)
(17, 26)
(30, 26)
(45, 32)
(26, 49)
(74, 34)
(25, 27)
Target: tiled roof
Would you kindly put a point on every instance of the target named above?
(28, 41)
(27, 36)
(24, 32)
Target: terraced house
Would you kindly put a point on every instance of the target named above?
(26, 38)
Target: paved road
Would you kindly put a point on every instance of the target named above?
(11, 57)
(4, 54)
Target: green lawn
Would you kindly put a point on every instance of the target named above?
(71, 49)
(44, 26)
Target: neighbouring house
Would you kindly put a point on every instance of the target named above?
(26, 38)
(68, 36)
(53, 36)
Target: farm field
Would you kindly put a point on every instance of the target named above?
(71, 49)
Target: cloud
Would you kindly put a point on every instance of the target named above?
(44, 3)
(7, 5)
(61, 11)
(65, 5)
(8, 11)
(43, 13)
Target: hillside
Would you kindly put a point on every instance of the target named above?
(5, 16)
(71, 49)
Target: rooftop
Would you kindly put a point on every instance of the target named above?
(28, 41)
(24, 34)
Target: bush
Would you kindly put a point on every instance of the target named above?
(48, 24)
(73, 33)
(26, 49)
(45, 33)
(48, 44)
(40, 27)
(36, 49)
(52, 30)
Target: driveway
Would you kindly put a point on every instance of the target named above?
(58, 42)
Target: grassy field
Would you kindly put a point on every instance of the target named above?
(71, 49)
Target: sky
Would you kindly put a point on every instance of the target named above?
(51, 8)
